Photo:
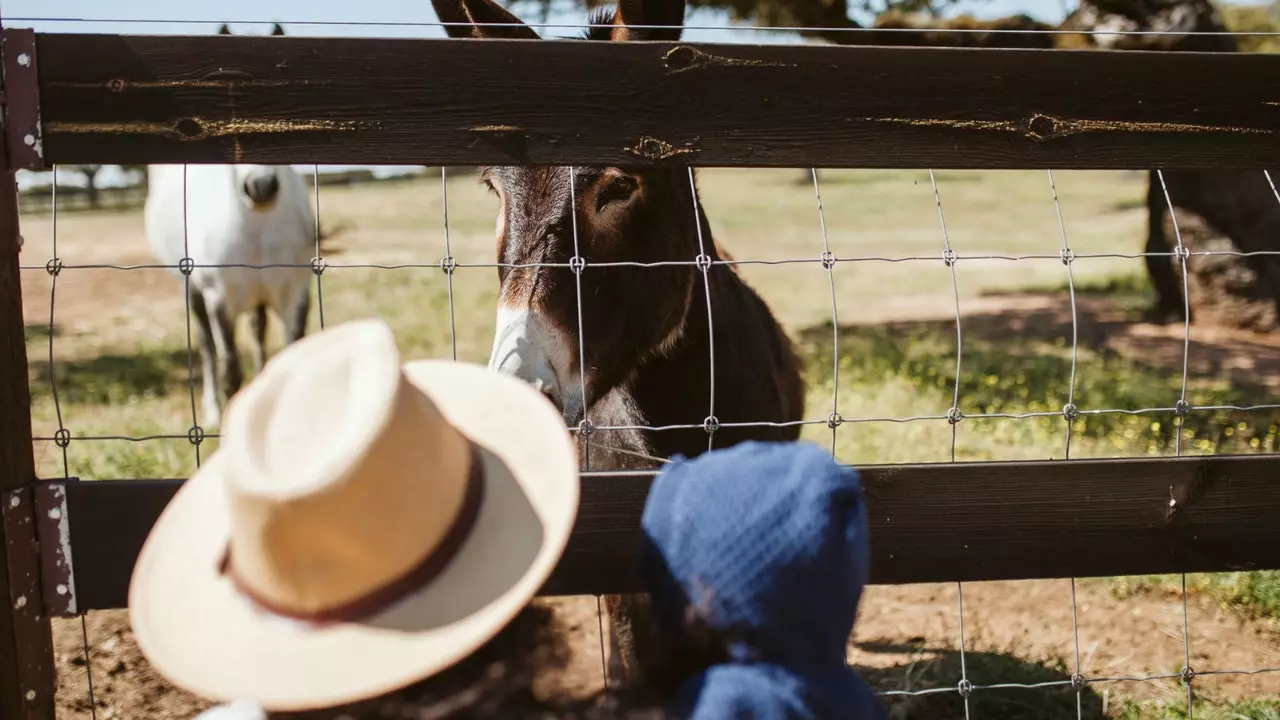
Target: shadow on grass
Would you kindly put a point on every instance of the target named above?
(112, 378)
(1020, 361)
(937, 672)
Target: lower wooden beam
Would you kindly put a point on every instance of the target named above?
(929, 523)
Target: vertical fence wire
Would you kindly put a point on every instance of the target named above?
(577, 264)
(448, 264)
(1181, 410)
(829, 262)
(954, 416)
(186, 266)
(63, 435)
(1069, 414)
(318, 262)
(703, 262)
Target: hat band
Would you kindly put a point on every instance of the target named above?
(385, 595)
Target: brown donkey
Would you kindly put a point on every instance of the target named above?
(646, 341)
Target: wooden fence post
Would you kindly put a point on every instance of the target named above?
(26, 643)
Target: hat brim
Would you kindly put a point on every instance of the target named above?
(205, 637)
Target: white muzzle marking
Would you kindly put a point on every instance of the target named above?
(527, 346)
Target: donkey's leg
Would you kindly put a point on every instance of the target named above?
(258, 323)
(208, 356)
(224, 339)
(296, 318)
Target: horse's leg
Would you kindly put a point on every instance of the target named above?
(208, 356)
(224, 339)
(258, 323)
(296, 318)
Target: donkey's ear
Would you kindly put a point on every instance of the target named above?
(648, 12)
(481, 19)
(276, 29)
(224, 30)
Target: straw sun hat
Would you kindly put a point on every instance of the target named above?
(364, 524)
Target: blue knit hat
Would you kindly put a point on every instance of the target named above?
(767, 543)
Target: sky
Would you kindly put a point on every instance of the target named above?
(381, 18)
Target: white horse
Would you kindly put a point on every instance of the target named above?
(246, 216)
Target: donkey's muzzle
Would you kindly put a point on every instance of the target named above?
(262, 190)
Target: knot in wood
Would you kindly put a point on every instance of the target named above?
(189, 129)
(680, 57)
(1041, 127)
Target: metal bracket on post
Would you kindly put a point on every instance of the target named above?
(22, 550)
(54, 527)
(22, 100)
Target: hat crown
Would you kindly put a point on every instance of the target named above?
(326, 452)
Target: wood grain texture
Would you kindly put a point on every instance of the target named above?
(929, 523)
(469, 102)
(26, 644)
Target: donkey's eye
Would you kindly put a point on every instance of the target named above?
(620, 188)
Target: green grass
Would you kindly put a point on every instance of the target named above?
(1176, 709)
(121, 351)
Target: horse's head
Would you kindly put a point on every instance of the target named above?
(616, 215)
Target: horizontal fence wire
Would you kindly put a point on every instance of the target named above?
(792, 29)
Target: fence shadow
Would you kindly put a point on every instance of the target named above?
(112, 378)
(1018, 359)
(939, 669)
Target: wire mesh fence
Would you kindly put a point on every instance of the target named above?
(437, 257)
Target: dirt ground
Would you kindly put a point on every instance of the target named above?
(906, 639)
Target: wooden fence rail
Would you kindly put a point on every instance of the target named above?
(366, 100)
(69, 547)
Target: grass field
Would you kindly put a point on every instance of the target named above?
(120, 361)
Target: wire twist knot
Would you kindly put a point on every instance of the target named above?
(711, 424)
(186, 266)
(828, 259)
(1181, 408)
(318, 265)
(577, 263)
(703, 262)
(954, 415)
(448, 264)
(834, 420)
(62, 437)
(54, 266)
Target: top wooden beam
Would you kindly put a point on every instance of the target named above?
(198, 99)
